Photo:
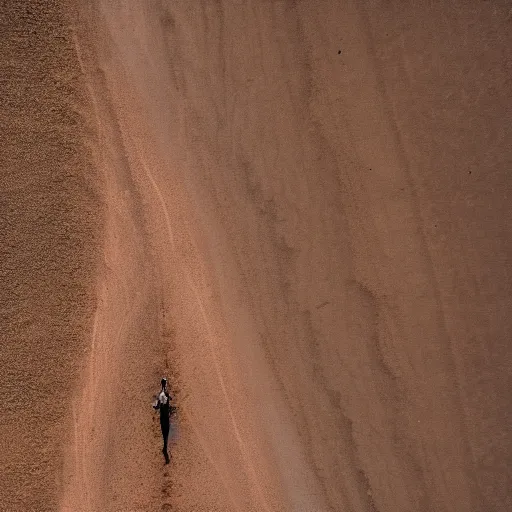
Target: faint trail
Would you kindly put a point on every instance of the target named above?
(84, 424)
(212, 343)
(79, 480)
(88, 84)
(80, 447)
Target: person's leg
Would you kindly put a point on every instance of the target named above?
(165, 435)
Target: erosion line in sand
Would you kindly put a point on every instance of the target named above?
(241, 443)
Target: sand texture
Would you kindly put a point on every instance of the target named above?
(297, 211)
(50, 225)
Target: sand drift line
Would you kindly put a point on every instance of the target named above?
(212, 343)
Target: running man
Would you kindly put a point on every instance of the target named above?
(163, 403)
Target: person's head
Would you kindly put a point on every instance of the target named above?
(163, 382)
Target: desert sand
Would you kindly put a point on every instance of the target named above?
(51, 238)
(299, 212)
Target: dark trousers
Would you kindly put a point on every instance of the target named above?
(164, 425)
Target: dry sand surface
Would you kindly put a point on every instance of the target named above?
(50, 229)
(297, 211)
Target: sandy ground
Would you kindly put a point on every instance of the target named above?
(50, 225)
(305, 225)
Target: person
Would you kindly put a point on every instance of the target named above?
(162, 404)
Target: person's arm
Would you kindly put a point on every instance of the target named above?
(169, 406)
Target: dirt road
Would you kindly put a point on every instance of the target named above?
(306, 229)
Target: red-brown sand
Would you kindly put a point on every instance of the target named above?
(50, 242)
(297, 211)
